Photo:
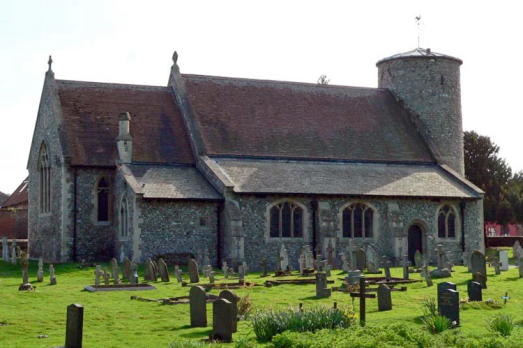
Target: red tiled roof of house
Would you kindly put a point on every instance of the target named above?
(91, 113)
(283, 119)
(18, 197)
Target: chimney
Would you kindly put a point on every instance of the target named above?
(124, 142)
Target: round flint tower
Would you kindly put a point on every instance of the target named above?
(429, 84)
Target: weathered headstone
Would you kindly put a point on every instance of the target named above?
(321, 285)
(405, 264)
(233, 299)
(211, 277)
(75, 326)
(426, 274)
(301, 262)
(13, 253)
(441, 271)
(442, 287)
(264, 267)
(134, 273)
(127, 269)
(5, 249)
(352, 255)
(328, 271)
(418, 259)
(198, 304)
(353, 277)
(245, 268)
(497, 266)
(40, 273)
(114, 267)
(384, 298)
(373, 263)
(515, 249)
(474, 291)
(479, 265)
(222, 323)
(318, 263)
(361, 259)
(206, 260)
(503, 258)
(97, 274)
(225, 270)
(345, 266)
(386, 266)
(449, 305)
(178, 273)
(106, 276)
(154, 270)
(330, 255)
(164, 272)
(284, 257)
(193, 271)
(241, 274)
(479, 278)
(52, 277)
(147, 270)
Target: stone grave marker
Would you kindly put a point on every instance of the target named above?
(211, 277)
(52, 277)
(386, 266)
(222, 322)
(13, 252)
(127, 269)
(193, 272)
(479, 278)
(134, 273)
(114, 267)
(40, 273)
(206, 260)
(442, 287)
(497, 266)
(520, 265)
(426, 274)
(329, 269)
(363, 296)
(503, 258)
(478, 263)
(279, 264)
(117, 280)
(264, 267)
(284, 257)
(474, 291)
(241, 274)
(309, 257)
(330, 255)
(233, 299)
(345, 266)
(5, 249)
(384, 298)
(405, 264)
(353, 277)
(97, 274)
(418, 259)
(198, 306)
(449, 305)
(372, 261)
(318, 264)
(147, 270)
(154, 270)
(225, 270)
(361, 259)
(302, 264)
(75, 326)
(352, 255)
(441, 271)
(106, 276)
(25, 272)
(245, 268)
(515, 249)
(321, 285)
(178, 273)
(164, 271)
(324, 266)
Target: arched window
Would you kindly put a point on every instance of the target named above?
(358, 221)
(44, 170)
(446, 222)
(286, 220)
(102, 199)
(123, 219)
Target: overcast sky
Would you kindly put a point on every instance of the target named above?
(132, 42)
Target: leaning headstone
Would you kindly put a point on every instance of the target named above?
(232, 298)
(127, 269)
(442, 287)
(503, 258)
(74, 326)
(198, 304)
(361, 259)
(474, 291)
(321, 285)
(97, 274)
(449, 305)
(40, 273)
(426, 274)
(418, 259)
(114, 267)
(154, 270)
(52, 277)
(193, 271)
(384, 298)
(164, 272)
(222, 322)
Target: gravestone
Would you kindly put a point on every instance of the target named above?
(301, 262)
(479, 278)
(154, 271)
(372, 261)
(418, 259)
(441, 271)
(353, 277)
(497, 266)
(25, 272)
(264, 267)
(134, 273)
(114, 267)
(474, 291)
(206, 260)
(241, 274)
(515, 249)
(147, 270)
(127, 269)
(478, 263)
(13, 253)
(75, 326)
(198, 304)
(5, 249)
(330, 255)
(52, 277)
(97, 274)
(318, 263)
(386, 266)
(40, 273)
(449, 305)
(352, 255)
(503, 258)
(193, 271)
(284, 257)
(164, 272)
(279, 265)
(405, 264)
(321, 285)
(442, 287)
(117, 277)
(106, 276)
(384, 298)
(233, 299)
(245, 268)
(345, 266)
(309, 257)
(178, 273)
(328, 271)
(225, 270)
(211, 277)
(361, 259)
(222, 322)
(426, 274)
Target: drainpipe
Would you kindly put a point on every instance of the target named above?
(462, 207)
(314, 206)
(74, 214)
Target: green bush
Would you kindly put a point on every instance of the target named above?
(501, 323)
(436, 324)
(429, 306)
(268, 323)
(188, 344)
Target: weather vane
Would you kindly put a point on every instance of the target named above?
(418, 19)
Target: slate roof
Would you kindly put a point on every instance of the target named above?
(169, 182)
(298, 120)
(360, 179)
(19, 196)
(91, 113)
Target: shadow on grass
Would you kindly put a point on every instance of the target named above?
(197, 334)
(310, 298)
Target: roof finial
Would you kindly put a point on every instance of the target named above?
(175, 57)
(418, 20)
(50, 62)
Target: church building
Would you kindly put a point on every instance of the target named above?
(240, 167)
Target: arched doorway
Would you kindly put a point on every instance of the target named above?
(415, 241)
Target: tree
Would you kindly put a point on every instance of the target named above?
(323, 80)
(492, 174)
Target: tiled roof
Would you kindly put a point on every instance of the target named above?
(361, 179)
(169, 182)
(19, 196)
(297, 120)
(3, 197)
(91, 113)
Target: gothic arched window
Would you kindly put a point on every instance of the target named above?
(102, 199)
(44, 170)
(446, 222)
(123, 219)
(286, 220)
(358, 221)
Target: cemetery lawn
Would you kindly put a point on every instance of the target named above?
(111, 319)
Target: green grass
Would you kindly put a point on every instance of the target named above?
(113, 320)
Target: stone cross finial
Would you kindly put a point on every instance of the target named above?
(175, 57)
(50, 62)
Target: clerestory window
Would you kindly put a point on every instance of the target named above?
(286, 220)
(358, 221)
